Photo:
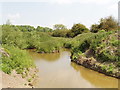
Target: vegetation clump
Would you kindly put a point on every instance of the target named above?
(107, 24)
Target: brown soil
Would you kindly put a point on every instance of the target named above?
(15, 80)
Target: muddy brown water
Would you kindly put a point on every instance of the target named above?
(57, 71)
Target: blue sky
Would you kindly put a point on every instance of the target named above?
(50, 12)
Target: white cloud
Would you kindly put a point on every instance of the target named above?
(13, 17)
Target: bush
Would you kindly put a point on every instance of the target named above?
(94, 28)
(60, 33)
(78, 29)
(102, 30)
(21, 39)
(43, 29)
(108, 24)
(52, 45)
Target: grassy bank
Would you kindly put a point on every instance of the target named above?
(15, 59)
(17, 66)
(16, 41)
(99, 50)
(40, 41)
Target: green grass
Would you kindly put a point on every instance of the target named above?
(19, 60)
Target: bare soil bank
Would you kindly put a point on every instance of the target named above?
(15, 80)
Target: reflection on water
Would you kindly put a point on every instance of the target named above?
(47, 56)
(95, 78)
(57, 71)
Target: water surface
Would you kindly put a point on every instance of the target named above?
(57, 71)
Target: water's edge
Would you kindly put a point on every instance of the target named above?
(97, 68)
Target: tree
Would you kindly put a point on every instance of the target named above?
(70, 34)
(94, 28)
(40, 29)
(43, 29)
(59, 27)
(79, 29)
(26, 28)
(60, 33)
(46, 29)
(108, 23)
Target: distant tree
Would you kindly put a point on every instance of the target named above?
(70, 34)
(59, 27)
(43, 29)
(60, 33)
(79, 29)
(40, 29)
(25, 28)
(30, 28)
(108, 23)
(94, 28)
(46, 29)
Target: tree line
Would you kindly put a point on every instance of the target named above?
(59, 30)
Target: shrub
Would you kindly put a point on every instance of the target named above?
(94, 28)
(102, 30)
(108, 24)
(60, 33)
(78, 29)
(59, 27)
(43, 29)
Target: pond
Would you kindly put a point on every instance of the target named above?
(57, 71)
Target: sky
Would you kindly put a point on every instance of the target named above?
(47, 13)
